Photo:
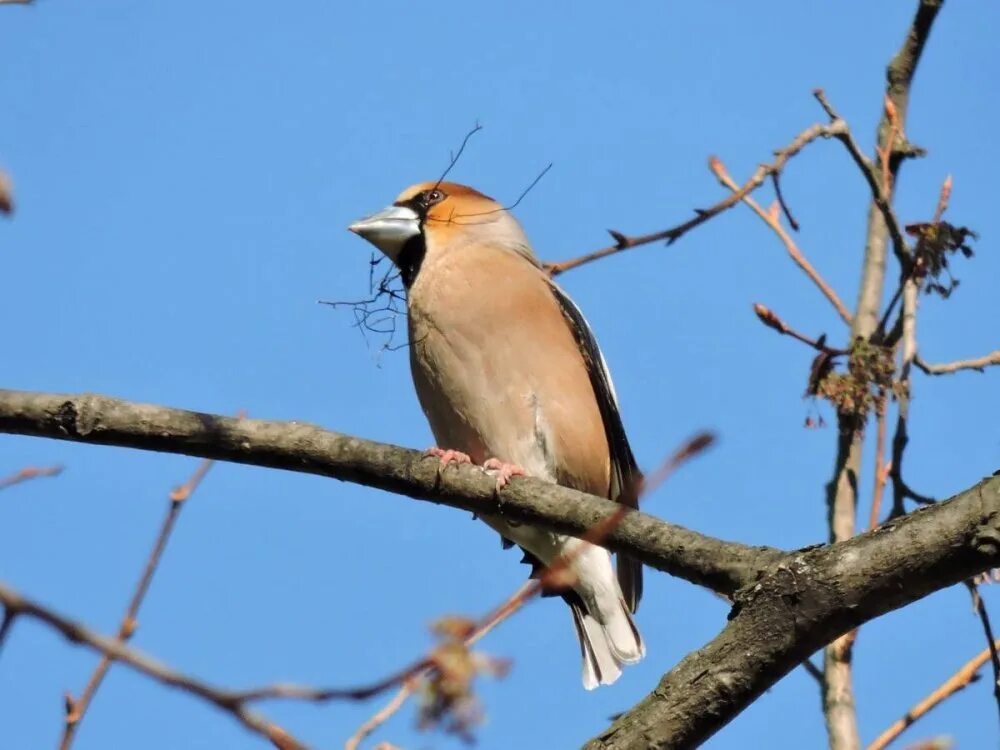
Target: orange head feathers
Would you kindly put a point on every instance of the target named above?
(430, 217)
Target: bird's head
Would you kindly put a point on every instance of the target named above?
(430, 217)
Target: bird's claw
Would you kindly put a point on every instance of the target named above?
(448, 456)
(504, 471)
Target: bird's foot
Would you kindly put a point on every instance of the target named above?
(448, 456)
(503, 471)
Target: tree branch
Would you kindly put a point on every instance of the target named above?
(962, 678)
(29, 472)
(77, 709)
(842, 490)
(19, 606)
(804, 602)
(979, 364)
(624, 242)
(771, 218)
(719, 565)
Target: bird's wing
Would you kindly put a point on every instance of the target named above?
(625, 474)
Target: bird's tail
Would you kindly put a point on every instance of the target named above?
(606, 646)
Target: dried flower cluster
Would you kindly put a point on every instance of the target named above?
(861, 387)
(447, 696)
(935, 242)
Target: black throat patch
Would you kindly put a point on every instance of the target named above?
(410, 258)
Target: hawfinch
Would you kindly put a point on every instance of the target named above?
(510, 376)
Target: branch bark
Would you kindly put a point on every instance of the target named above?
(719, 565)
(787, 605)
(804, 602)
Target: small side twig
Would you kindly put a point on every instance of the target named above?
(978, 364)
(885, 152)
(776, 181)
(769, 318)
(5, 625)
(771, 219)
(880, 195)
(979, 607)
(882, 469)
(29, 472)
(965, 675)
(6, 195)
(77, 708)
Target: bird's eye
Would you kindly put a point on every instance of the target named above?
(433, 196)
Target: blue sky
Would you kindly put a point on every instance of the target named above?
(184, 173)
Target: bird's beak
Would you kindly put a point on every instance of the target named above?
(389, 229)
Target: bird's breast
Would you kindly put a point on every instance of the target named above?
(499, 374)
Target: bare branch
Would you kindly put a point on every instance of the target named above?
(5, 625)
(801, 604)
(979, 607)
(979, 364)
(114, 649)
(6, 193)
(76, 709)
(881, 197)
(962, 678)
(771, 219)
(882, 469)
(407, 688)
(624, 242)
(771, 320)
(29, 472)
(842, 499)
(296, 446)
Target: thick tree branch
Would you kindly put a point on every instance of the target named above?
(804, 602)
(295, 446)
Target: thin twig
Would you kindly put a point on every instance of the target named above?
(6, 194)
(5, 625)
(815, 672)
(117, 651)
(409, 686)
(979, 607)
(771, 219)
(776, 181)
(76, 709)
(29, 472)
(962, 678)
(624, 242)
(884, 151)
(907, 327)
(871, 173)
(979, 364)
(769, 318)
(882, 469)
(381, 716)
(943, 199)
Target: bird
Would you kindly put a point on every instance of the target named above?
(510, 377)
